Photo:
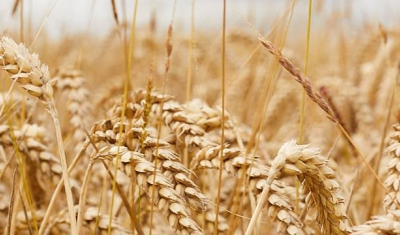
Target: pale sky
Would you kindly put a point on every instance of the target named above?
(72, 16)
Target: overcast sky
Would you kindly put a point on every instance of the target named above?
(72, 16)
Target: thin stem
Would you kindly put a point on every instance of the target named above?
(259, 207)
(82, 196)
(21, 18)
(260, 123)
(11, 205)
(189, 77)
(63, 160)
(222, 121)
(58, 188)
(43, 23)
(303, 96)
(127, 87)
(21, 165)
(131, 209)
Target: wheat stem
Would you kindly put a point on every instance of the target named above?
(67, 185)
(57, 190)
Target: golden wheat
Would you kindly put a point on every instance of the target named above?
(154, 159)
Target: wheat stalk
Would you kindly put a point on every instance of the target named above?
(191, 123)
(166, 180)
(304, 81)
(279, 206)
(40, 169)
(168, 200)
(34, 77)
(318, 181)
(58, 188)
(319, 185)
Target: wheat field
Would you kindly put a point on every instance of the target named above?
(233, 131)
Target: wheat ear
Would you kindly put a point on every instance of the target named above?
(319, 185)
(72, 86)
(289, 66)
(34, 77)
(389, 223)
(235, 160)
(276, 166)
(58, 188)
(381, 224)
(157, 186)
(392, 183)
(191, 124)
(165, 180)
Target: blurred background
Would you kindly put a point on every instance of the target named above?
(77, 16)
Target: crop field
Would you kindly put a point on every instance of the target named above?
(224, 122)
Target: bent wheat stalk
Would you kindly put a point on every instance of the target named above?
(34, 77)
(276, 166)
(280, 208)
(319, 186)
(316, 98)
